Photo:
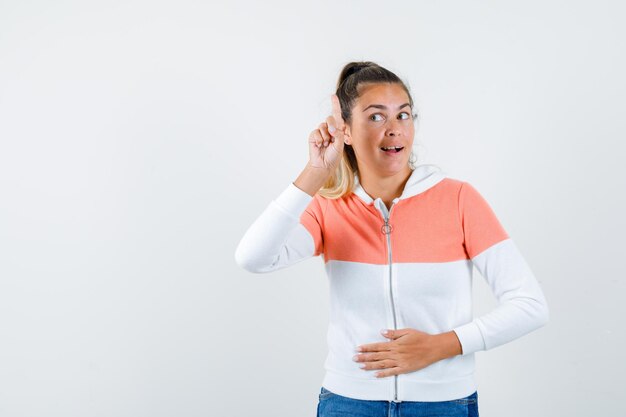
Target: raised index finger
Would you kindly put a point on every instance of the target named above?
(337, 111)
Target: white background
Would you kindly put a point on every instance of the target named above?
(140, 139)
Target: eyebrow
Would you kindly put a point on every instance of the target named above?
(380, 106)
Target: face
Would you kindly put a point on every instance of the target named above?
(381, 117)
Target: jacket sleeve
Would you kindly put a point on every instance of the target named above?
(522, 306)
(288, 231)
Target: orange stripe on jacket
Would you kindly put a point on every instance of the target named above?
(448, 222)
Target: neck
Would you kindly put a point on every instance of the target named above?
(385, 187)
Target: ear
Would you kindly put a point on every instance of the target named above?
(347, 138)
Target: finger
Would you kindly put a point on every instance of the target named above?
(393, 334)
(332, 125)
(337, 145)
(388, 372)
(382, 364)
(316, 138)
(375, 347)
(370, 357)
(339, 123)
(330, 121)
(323, 129)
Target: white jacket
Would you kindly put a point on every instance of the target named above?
(410, 267)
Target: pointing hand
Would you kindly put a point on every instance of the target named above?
(326, 142)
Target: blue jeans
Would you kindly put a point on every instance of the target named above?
(335, 405)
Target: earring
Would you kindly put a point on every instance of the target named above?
(412, 160)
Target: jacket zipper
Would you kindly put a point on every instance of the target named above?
(386, 229)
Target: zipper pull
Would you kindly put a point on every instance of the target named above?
(386, 228)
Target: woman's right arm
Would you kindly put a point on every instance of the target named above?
(289, 229)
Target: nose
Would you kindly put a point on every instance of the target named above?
(393, 129)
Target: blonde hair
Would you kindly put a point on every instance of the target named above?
(353, 75)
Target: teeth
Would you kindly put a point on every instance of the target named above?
(391, 147)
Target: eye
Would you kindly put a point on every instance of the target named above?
(406, 115)
(373, 117)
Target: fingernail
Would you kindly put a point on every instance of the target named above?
(355, 358)
(331, 129)
(383, 331)
(325, 143)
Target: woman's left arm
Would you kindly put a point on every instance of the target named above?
(522, 306)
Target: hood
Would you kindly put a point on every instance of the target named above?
(422, 178)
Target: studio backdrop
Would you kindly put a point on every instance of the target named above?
(140, 139)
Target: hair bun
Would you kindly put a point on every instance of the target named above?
(358, 66)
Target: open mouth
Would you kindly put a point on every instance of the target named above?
(392, 149)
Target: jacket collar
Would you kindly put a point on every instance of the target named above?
(422, 178)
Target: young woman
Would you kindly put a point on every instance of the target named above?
(399, 244)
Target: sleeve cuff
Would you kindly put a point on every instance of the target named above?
(293, 201)
(470, 337)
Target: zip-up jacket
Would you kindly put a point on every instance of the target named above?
(407, 267)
